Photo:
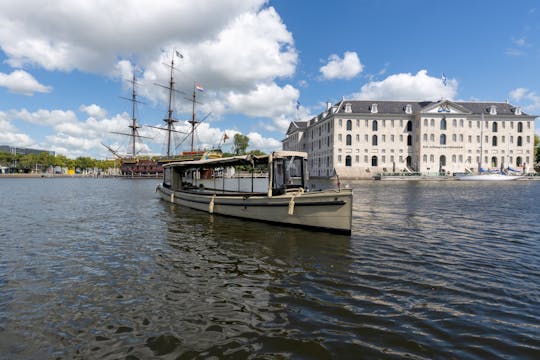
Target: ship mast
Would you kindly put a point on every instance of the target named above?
(170, 121)
(193, 122)
(134, 126)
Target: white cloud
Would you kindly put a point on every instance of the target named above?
(259, 142)
(21, 82)
(94, 111)
(346, 68)
(406, 86)
(10, 135)
(529, 99)
(65, 35)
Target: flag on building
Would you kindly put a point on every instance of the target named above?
(199, 87)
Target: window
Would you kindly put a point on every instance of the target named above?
(357, 137)
(519, 141)
(520, 127)
(409, 125)
(519, 161)
(374, 125)
(442, 160)
(339, 159)
(409, 140)
(339, 138)
(442, 139)
(432, 137)
(425, 122)
(374, 161)
(494, 127)
(424, 158)
(349, 139)
(494, 141)
(454, 138)
(443, 124)
(374, 140)
(348, 160)
(340, 123)
(454, 123)
(424, 137)
(349, 124)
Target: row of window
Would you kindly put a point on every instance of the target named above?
(442, 139)
(442, 160)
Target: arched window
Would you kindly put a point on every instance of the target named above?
(443, 124)
(494, 127)
(494, 141)
(442, 139)
(349, 124)
(442, 160)
(409, 125)
(348, 160)
(374, 140)
(424, 137)
(374, 161)
(494, 162)
(374, 125)
(349, 139)
(409, 140)
(520, 126)
(409, 161)
(519, 140)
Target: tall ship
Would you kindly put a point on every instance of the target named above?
(133, 164)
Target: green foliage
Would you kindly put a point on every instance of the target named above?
(241, 143)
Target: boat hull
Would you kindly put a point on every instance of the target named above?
(490, 177)
(329, 210)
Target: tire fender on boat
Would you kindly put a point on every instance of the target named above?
(291, 205)
(211, 205)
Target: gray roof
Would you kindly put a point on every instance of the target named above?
(398, 107)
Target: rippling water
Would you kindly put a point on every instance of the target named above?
(100, 268)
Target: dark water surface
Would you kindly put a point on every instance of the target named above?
(102, 269)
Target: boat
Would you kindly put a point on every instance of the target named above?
(287, 200)
(488, 175)
(133, 165)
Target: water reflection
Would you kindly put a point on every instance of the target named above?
(103, 269)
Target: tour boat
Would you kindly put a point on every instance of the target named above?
(286, 200)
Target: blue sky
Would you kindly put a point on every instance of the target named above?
(65, 64)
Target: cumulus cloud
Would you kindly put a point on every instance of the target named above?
(67, 35)
(10, 135)
(406, 86)
(529, 99)
(342, 68)
(94, 111)
(21, 82)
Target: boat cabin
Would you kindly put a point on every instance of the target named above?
(286, 170)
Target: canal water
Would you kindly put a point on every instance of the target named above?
(102, 269)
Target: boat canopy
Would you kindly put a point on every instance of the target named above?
(236, 160)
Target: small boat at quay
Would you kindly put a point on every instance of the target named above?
(490, 177)
(287, 199)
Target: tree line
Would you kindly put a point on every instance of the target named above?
(44, 160)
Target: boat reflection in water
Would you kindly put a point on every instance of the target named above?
(286, 200)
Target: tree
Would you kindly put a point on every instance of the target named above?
(240, 144)
(84, 162)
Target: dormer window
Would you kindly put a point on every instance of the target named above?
(492, 110)
(517, 111)
(408, 109)
(348, 108)
(374, 109)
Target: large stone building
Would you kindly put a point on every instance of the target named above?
(356, 139)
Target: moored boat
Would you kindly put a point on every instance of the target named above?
(286, 201)
(490, 177)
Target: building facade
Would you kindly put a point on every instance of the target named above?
(357, 139)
